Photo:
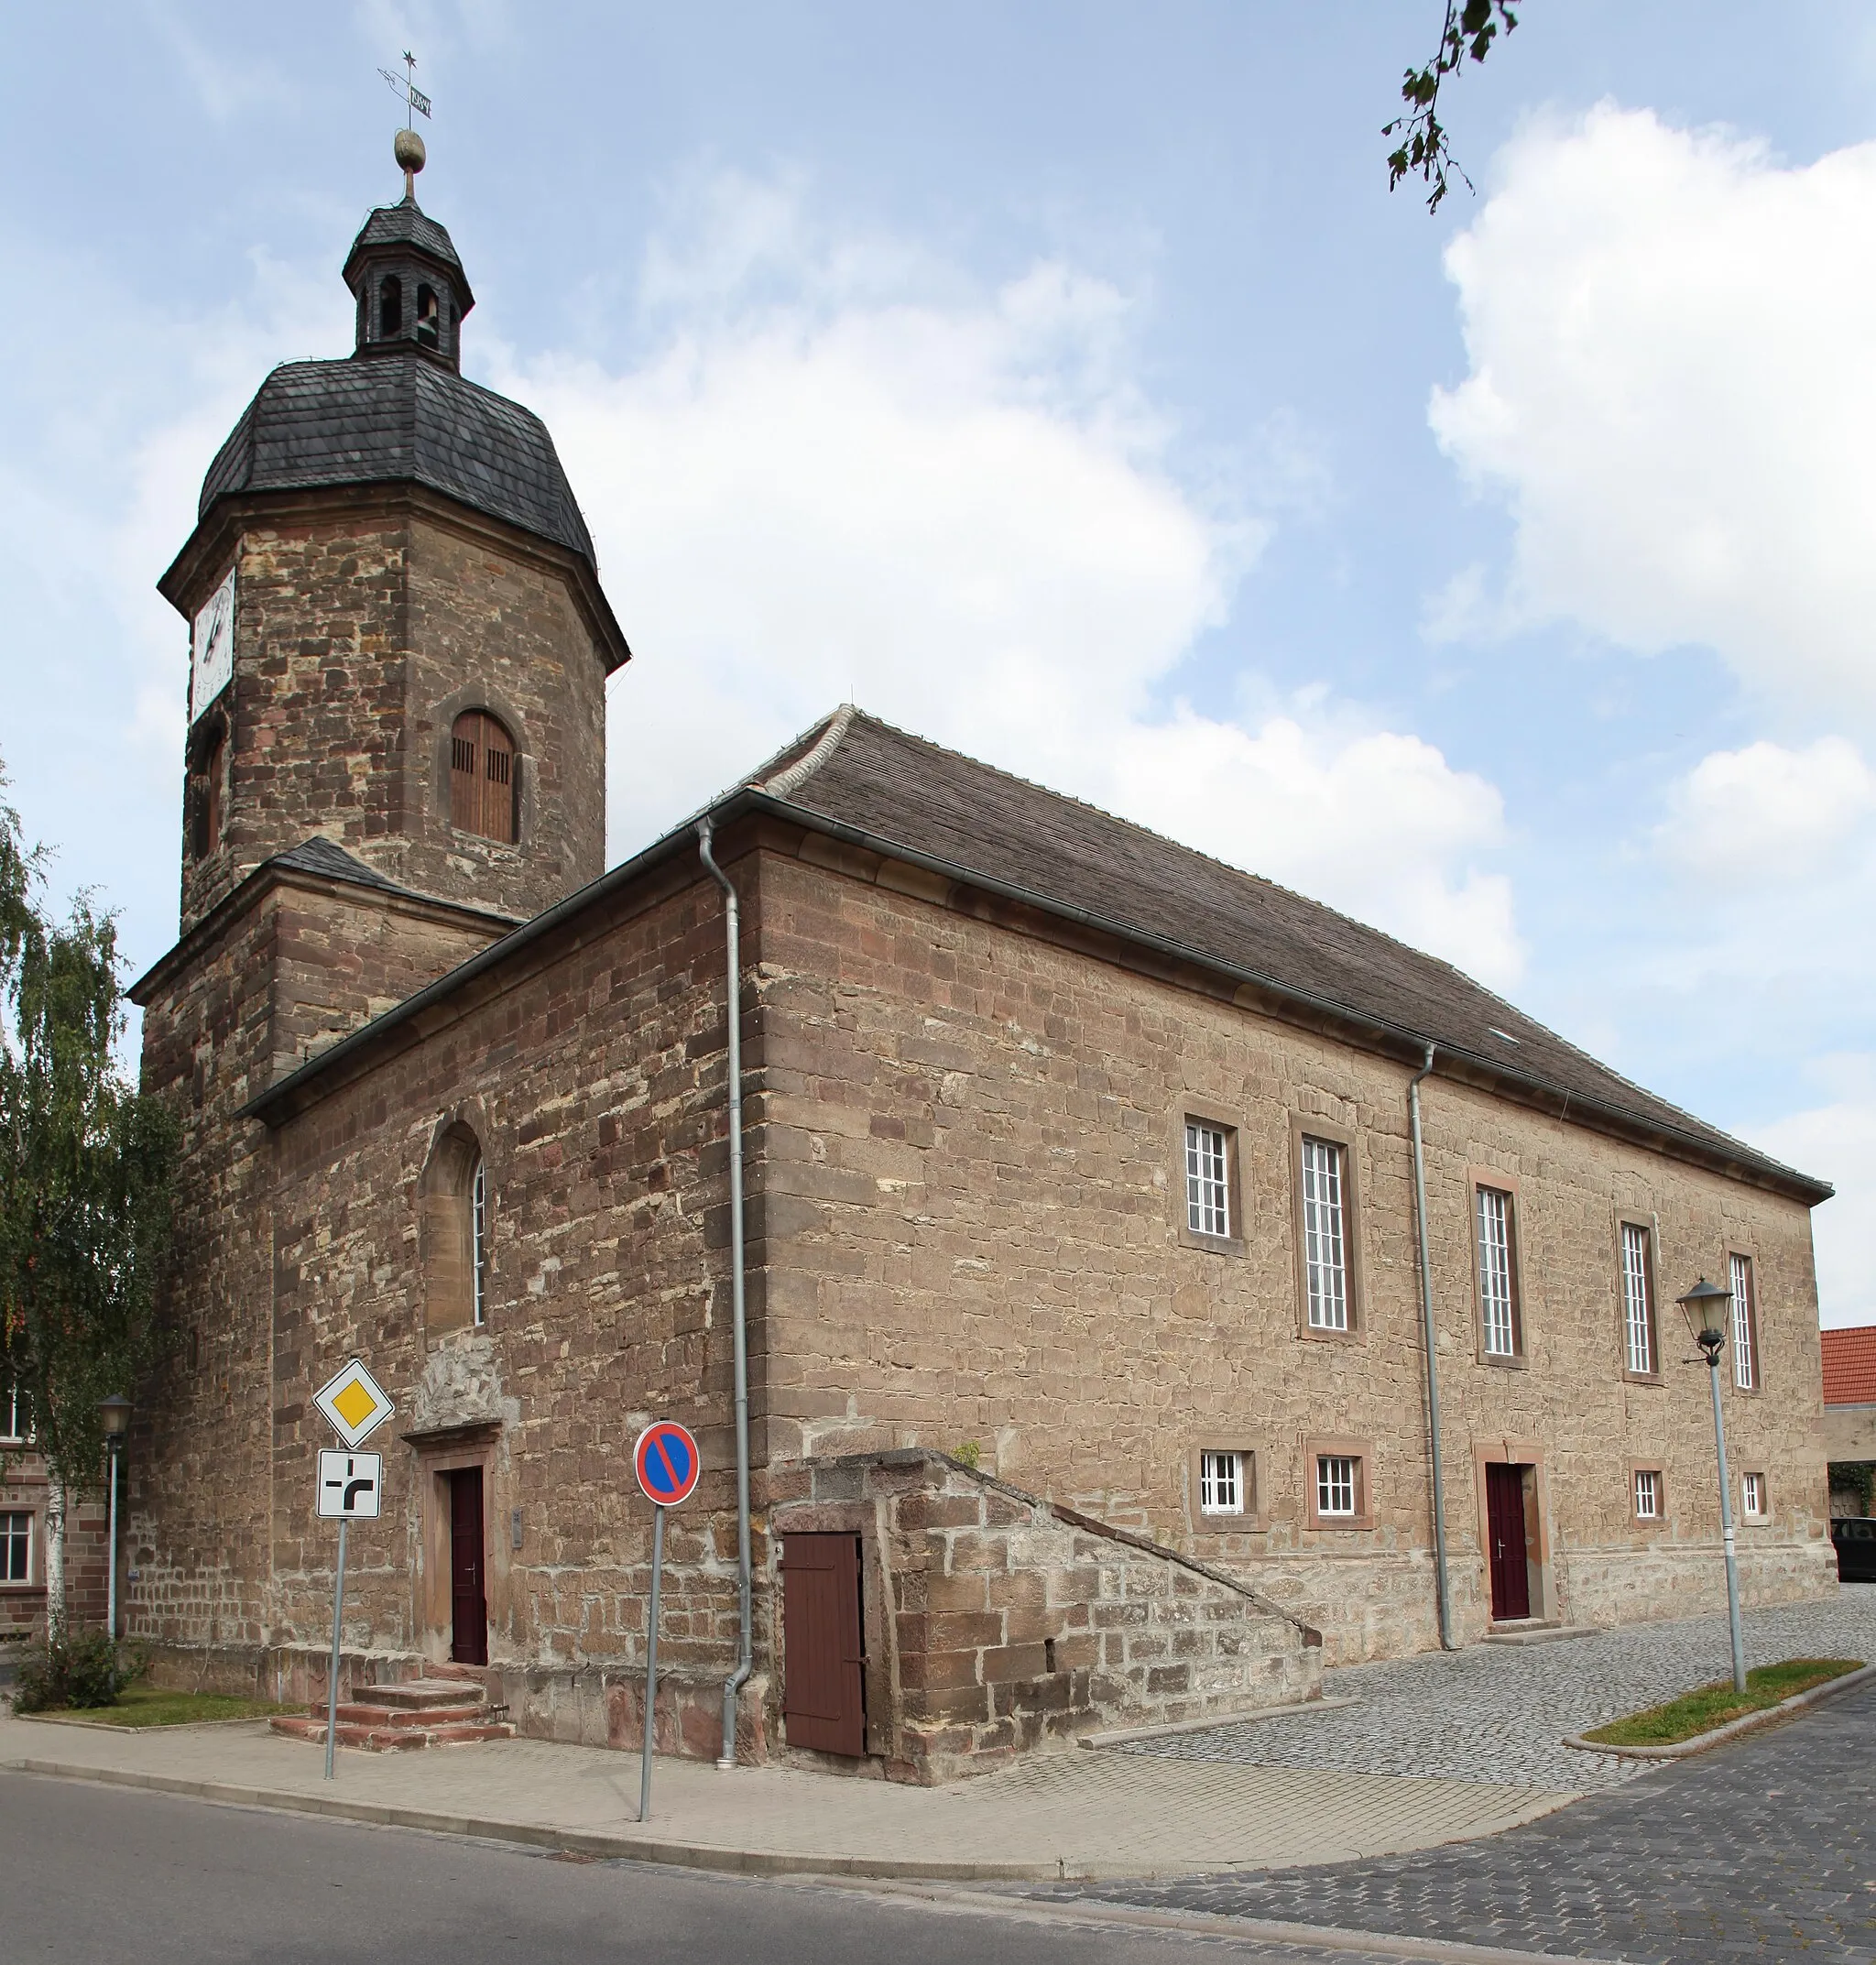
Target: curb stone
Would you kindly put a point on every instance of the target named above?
(1335, 1940)
(633, 1848)
(1848, 1682)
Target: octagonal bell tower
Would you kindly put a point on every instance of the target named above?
(399, 644)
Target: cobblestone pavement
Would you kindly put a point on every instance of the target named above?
(1498, 1712)
(1761, 1848)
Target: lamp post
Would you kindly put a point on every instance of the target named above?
(1707, 1307)
(114, 1412)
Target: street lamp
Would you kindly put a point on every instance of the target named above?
(114, 1412)
(1707, 1307)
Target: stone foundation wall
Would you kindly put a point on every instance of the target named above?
(998, 1624)
(1626, 1586)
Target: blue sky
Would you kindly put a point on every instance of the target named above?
(1063, 382)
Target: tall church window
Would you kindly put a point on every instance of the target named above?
(478, 1238)
(482, 778)
(390, 307)
(427, 317)
(454, 1207)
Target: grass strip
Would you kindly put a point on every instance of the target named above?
(1701, 1710)
(150, 1706)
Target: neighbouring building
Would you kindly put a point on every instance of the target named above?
(29, 1524)
(1088, 1381)
(1849, 1416)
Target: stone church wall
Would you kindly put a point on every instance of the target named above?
(594, 1084)
(974, 1138)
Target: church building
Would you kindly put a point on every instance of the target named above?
(1104, 1284)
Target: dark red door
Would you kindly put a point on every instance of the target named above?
(468, 1606)
(1504, 1520)
(824, 1690)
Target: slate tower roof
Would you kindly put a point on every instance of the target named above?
(397, 409)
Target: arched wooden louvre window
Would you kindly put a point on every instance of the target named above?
(482, 778)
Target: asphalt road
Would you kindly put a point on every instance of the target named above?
(89, 1873)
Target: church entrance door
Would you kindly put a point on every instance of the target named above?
(1504, 1520)
(468, 1605)
(823, 1697)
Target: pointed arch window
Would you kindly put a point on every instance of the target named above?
(390, 307)
(482, 778)
(428, 321)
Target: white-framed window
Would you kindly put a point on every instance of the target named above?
(1221, 1483)
(1638, 1299)
(15, 1416)
(1207, 1179)
(1745, 1325)
(1337, 1483)
(1497, 1305)
(1752, 1497)
(16, 1548)
(478, 1236)
(1324, 1235)
(1648, 1493)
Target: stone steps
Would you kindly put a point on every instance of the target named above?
(450, 1708)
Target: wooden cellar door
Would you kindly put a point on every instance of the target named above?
(824, 1690)
(1504, 1520)
(468, 1605)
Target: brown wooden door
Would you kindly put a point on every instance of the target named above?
(824, 1690)
(482, 778)
(468, 1606)
(1504, 1520)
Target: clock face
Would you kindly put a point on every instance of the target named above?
(212, 649)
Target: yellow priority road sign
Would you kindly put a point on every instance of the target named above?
(354, 1403)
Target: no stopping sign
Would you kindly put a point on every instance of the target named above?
(666, 1462)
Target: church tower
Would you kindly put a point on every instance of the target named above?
(399, 642)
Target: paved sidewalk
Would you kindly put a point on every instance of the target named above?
(1072, 1814)
(1498, 1712)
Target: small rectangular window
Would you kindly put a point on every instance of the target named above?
(1207, 1179)
(1324, 1235)
(1221, 1483)
(1752, 1496)
(16, 1548)
(16, 1417)
(1647, 1493)
(1498, 1301)
(1638, 1299)
(1745, 1325)
(1335, 1483)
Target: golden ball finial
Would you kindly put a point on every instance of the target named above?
(408, 151)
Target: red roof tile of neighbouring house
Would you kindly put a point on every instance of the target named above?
(1850, 1366)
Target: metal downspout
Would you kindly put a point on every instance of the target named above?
(1432, 1369)
(733, 932)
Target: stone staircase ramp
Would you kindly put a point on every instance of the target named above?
(438, 1712)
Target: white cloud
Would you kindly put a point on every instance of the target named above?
(841, 471)
(1672, 345)
(1767, 812)
(1837, 1142)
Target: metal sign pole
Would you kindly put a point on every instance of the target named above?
(651, 1665)
(333, 1677)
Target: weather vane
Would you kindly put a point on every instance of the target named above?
(404, 87)
(409, 148)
